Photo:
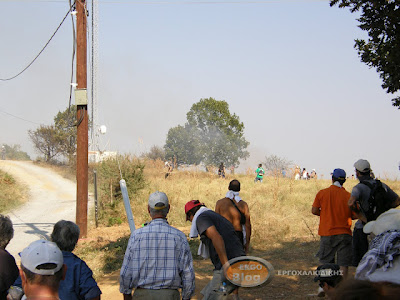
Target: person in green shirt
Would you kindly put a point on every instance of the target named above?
(260, 173)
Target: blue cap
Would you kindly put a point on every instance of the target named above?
(339, 174)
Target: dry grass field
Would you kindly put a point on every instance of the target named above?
(285, 233)
(12, 193)
(284, 230)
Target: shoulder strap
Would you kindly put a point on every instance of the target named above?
(368, 184)
(242, 216)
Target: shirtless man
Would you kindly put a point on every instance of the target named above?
(226, 208)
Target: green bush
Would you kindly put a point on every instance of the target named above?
(110, 197)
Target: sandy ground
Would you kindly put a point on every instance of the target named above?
(51, 198)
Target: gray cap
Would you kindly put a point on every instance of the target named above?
(42, 252)
(158, 200)
(362, 165)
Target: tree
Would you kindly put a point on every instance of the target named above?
(156, 152)
(58, 138)
(14, 152)
(276, 164)
(66, 129)
(211, 135)
(47, 141)
(182, 145)
(381, 19)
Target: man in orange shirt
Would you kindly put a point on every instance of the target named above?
(331, 206)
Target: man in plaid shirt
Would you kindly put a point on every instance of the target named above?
(157, 261)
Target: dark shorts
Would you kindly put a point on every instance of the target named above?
(336, 245)
(360, 245)
(240, 236)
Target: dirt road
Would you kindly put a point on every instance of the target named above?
(51, 198)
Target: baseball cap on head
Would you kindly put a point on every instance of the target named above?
(362, 165)
(389, 220)
(190, 205)
(39, 253)
(327, 272)
(158, 200)
(339, 174)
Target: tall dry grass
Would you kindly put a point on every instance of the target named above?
(280, 211)
(280, 208)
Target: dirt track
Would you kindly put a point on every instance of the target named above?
(51, 198)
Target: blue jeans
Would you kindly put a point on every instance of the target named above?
(212, 290)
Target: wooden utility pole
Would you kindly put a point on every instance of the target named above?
(82, 118)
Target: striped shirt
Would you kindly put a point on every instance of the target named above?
(158, 257)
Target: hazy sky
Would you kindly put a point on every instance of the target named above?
(288, 69)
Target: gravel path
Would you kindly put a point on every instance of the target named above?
(51, 198)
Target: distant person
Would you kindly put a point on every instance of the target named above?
(170, 167)
(221, 170)
(157, 261)
(236, 211)
(220, 242)
(305, 174)
(259, 173)
(313, 174)
(8, 268)
(328, 277)
(232, 168)
(42, 269)
(79, 283)
(297, 172)
(363, 207)
(331, 206)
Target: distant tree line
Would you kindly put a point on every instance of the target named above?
(13, 152)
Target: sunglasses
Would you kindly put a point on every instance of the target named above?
(321, 284)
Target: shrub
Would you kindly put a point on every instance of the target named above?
(110, 197)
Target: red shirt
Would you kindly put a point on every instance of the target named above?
(335, 214)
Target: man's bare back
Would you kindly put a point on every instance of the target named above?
(225, 208)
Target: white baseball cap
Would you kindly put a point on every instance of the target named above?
(362, 165)
(42, 252)
(389, 220)
(158, 200)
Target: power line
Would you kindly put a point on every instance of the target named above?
(6, 79)
(7, 113)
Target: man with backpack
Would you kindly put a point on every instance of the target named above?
(368, 200)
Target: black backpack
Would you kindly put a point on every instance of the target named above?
(378, 201)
